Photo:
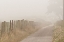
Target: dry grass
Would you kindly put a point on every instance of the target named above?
(17, 35)
(59, 32)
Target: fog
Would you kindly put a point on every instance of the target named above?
(26, 9)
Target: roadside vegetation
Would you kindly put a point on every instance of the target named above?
(58, 35)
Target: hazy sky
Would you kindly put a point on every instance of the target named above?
(25, 9)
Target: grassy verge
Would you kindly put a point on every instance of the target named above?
(18, 35)
(59, 32)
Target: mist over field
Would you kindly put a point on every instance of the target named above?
(31, 21)
(27, 9)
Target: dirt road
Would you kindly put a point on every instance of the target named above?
(43, 35)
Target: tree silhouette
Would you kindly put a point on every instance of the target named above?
(56, 6)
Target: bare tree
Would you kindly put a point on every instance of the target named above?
(56, 6)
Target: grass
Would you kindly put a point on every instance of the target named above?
(18, 35)
(59, 32)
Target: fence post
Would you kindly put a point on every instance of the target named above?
(0, 32)
(12, 24)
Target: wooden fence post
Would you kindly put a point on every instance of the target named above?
(0, 32)
(12, 24)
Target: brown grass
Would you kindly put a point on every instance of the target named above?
(59, 32)
(17, 35)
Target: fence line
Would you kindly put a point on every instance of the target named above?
(12, 25)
